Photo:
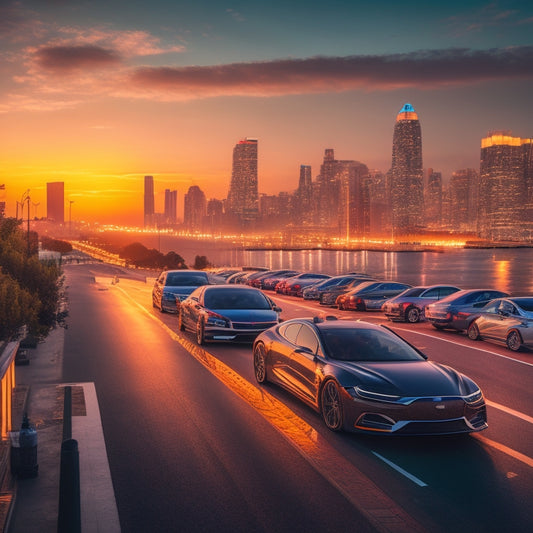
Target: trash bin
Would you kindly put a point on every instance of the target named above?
(28, 466)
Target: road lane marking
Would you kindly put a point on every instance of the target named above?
(506, 450)
(510, 411)
(399, 469)
(382, 512)
(466, 346)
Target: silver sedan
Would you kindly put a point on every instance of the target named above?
(506, 320)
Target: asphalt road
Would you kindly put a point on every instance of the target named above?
(192, 446)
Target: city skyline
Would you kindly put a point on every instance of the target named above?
(98, 97)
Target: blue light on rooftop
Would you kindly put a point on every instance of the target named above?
(407, 108)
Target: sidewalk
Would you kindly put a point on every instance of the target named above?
(40, 392)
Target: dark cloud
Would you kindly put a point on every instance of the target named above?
(67, 58)
(422, 69)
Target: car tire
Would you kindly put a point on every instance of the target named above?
(331, 406)
(413, 315)
(360, 307)
(200, 333)
(181, 325)
(473, 331)
(260, 363)
(514, 341)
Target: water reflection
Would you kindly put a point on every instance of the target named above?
(510, 270)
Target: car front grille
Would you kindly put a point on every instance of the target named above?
(253, 325)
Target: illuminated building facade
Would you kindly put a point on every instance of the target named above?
(194, 209)
(505, 207)
(55, 202)
(463, 191)
(406, 175)
(149, 202)
(243, 197)
(171, 204)
(433, 199)
(340, 195)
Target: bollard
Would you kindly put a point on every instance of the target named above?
(69, 514)
(27, 466)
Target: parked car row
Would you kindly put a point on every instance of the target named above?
(484, 314)
(327, 362)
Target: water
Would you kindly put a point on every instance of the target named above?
(506, 269)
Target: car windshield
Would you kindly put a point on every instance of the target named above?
(235, 299)
(367, 345)
(186, 280)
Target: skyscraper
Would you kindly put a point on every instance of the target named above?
(149, 202)
(171, 203)
(194, 208)
(243, 196)
(406, 176)
(504, 187)
(55, 201)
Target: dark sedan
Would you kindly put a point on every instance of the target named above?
(370, 295)
(460, 308)
(227, 313)
(410, 305)
(364, 378)
(330, 295)
(173, 285)
(507, 321)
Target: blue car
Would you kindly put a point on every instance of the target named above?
(173, 285)
(227, 313)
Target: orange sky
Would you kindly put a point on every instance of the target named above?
(98, 94)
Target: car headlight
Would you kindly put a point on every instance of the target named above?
(364, 394)
(474, 398)
(216, 320)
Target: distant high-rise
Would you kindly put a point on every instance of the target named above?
(171, 203)
(243, 196)
(340, 200)
(149, 202)
(55, 201)
(464, 199)
(406, 176)
(433, 200)
(505, 206)
(194, 209)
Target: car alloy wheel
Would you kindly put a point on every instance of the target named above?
(514, 341)
(473, 331)
(260, 363)
(331, 406)
(413, 315)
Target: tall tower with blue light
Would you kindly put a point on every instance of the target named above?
(406, 186)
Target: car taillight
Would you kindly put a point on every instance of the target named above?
(296, 287)
(405, 305)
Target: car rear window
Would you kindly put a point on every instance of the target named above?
(186, 280)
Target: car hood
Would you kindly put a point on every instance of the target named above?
(248, 315)
(406, 378)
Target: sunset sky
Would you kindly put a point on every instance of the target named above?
(99, 93)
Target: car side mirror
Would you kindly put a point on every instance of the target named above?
(277, 309)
